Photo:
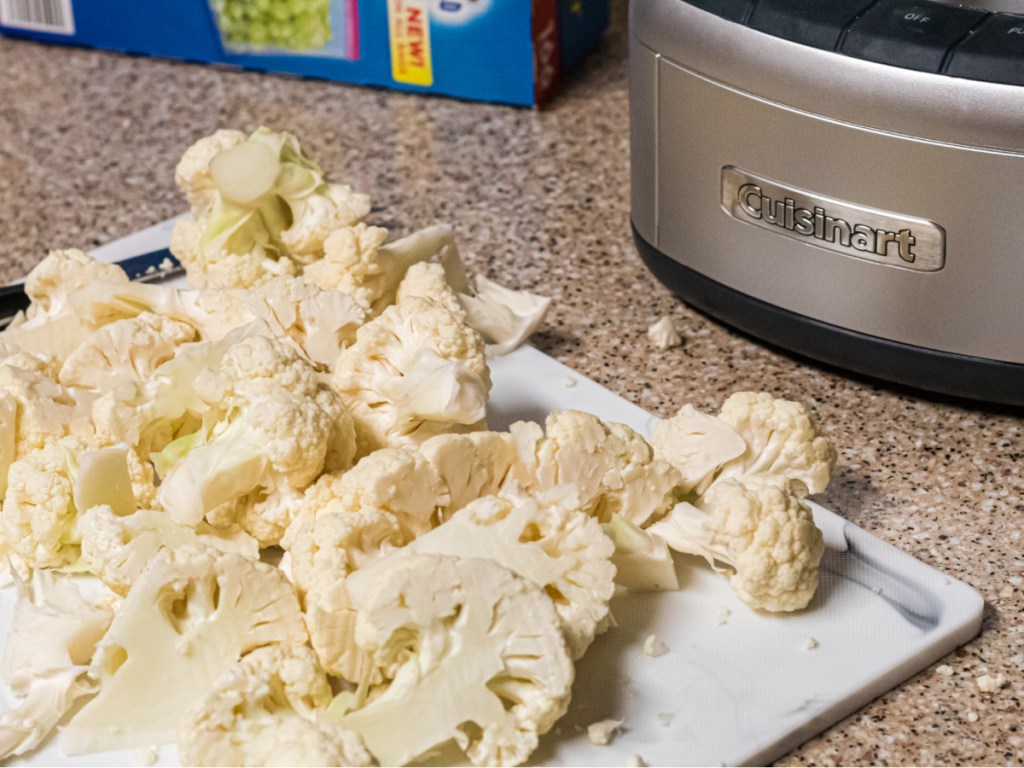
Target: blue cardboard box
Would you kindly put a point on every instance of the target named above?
(510, 51)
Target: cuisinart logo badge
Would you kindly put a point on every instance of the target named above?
(852, 230)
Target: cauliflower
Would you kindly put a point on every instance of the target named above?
(57, 277)
(267, 430)
(475, 655)
(427, 280)
(781, 439)
(319, 322)
(262, 711)
(504, 317)
(697, 445)
(53, 635)
(124, 350)
(117, 548)
(471, 465)
(47, 489)
(357, 262)
(642, 560)
(612, 466)
(414, 372)
(262, 208)
(546, 540)
(324, 551)
(760, 529)
(191, 613)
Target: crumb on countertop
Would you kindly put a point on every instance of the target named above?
(990, 684)
(972, 717)
(603, 732)
(663, 334)
(809, 644)
(665, 718)
(635, 761)
(944, 669)
(653, 646)
(723, 616)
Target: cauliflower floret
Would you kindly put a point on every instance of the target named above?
(545, 539)
(263, 711)
(267, 430)
(47, 489)
(471, 465)
(53, 635)
(191, 613)
(357, 262)
(125, 350)
(117, 548)
(697, 445)
(319, 322)
(262, 208)
(427, 280)
(781, 439)
(414, 372)
(475, 655)
(760, 529)
(192, 174)
(642, 560)
(504, 317)
(50, 284)
(612, 466)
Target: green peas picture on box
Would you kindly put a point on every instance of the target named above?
(312, 27)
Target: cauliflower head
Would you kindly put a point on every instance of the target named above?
(781, 439)
(759, 528)
(262, 711)
(612, 466)
(268, 428)
(414, 372)
(191, 613)
(475, 655)
(547, 540)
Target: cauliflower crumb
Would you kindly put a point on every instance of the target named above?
(663, 334)
(665, 719)
(568, 382)
(972, 717)
(990, 684)
(944, 669)
(146, 755)
(809, 644)
(635, 761)
(603, 732)
(653, 646)
(877, 590)
(723, 616)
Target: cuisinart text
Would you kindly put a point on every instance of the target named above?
(837, 226)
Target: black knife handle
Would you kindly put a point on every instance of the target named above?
(13, 299)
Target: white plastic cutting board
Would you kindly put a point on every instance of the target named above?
(736, 687)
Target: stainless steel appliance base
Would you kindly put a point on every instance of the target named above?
(945, 373)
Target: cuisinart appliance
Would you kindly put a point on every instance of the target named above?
(843, 178)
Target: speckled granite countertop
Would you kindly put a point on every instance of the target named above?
(88, 143)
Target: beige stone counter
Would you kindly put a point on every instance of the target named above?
(88, 143)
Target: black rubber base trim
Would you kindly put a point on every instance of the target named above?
(975, 378)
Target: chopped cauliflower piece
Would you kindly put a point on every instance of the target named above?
(414, 372)
(53, 635)
(545, 539)
(475, 655)
(192, 174)
(761, 531)
(603, 732)
(125, 350)
(642, 560)
(990, 683)
(664, 334)
(697, 445)
(427, 280)
(654, 646)
(263, 711)
(504, 317)
(809, 644)
(945, 670)
(191, 613)
(471, 465)
(612, 466)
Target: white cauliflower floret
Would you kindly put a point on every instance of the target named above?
(358, 262)
(192, 174)
(545, 539)
(612, 466)
(414, 372)
(191, 613)
(267, 431)
(319, 322)
(47, 489)
(475, 655)
(697, 445)
(504, 317)
(642, 560)
(427, 280)
(50, 284)
(262, 208)
(125, 350)
(117, 548)
(471, 465)
(262, 711)
(781, 439)
(53, 635)
(324, 550)
(759, 528)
